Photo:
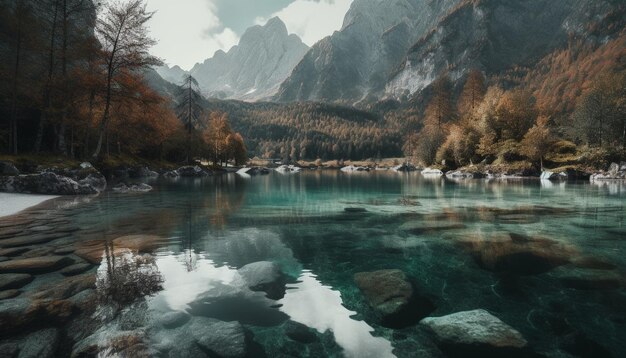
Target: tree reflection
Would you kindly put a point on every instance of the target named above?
(125, 277)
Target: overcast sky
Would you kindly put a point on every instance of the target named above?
(190, 31)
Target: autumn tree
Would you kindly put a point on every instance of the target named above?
(471, 95)
(123, 34)
(537, 141)
(600, 116)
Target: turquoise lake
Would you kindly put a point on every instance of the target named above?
(545, 258)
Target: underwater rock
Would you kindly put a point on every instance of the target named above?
(14, 280)
(35, 265)
(425, 227)
(517, 254)
(588, 279)
(223, 339)
(202, 337)
(264, 276)
(40, 344)
(393, 298)
(9, 294)
(66, 288)
(13, 251)
(112, 343)
(355, 210)
(75, 269)
(140, 243)
(31, 239)
(15, 315)
(387, 291)
(300, 332)
(474, 332)
(173, 319)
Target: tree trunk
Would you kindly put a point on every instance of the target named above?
(47, 89)
(16, 72)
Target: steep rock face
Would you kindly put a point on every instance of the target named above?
(255, 68)
(173, 74)
(493, 36)
(357, 60)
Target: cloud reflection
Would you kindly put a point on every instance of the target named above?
(319, 307)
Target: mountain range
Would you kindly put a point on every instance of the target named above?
(252, 70)
(394, 49)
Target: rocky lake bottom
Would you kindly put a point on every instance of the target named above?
(319, 264)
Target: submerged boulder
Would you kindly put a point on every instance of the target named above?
(40, 344)
(35, 265)
(202, 337)
(392, 297)
(45, 183)
(14, 280)
(264, 276)
(474, 332)
(517, 254)
(387, 291)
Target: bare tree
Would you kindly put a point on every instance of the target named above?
(123, 34)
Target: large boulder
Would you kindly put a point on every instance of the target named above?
(264, 276)
(474, 333)
(45, 183)
(615, 172)
(7, 168)
(392, 297)
(192, 171)
(94, 180)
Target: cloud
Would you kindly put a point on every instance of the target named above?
(188, 31)
(312, 20)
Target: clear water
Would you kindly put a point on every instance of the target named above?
(423, 226)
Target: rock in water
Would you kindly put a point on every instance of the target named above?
(14, 280)
(392, 297)
(40, 344)
(264, 276)
(45, 183)
(387, 291)
(474, 332)
(192, 171)
(35, 265)
(223, 339)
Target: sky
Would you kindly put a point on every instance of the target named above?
(190, 31)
